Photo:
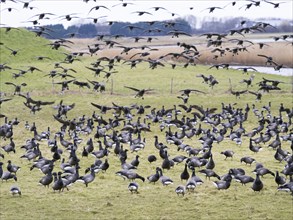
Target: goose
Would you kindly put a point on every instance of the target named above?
(287, 186)
(247, 160)
(99, 165)
(209, 173)
(32, 154)
(135, 162)
(228, 153)
(14, 190)
(58, 183)
(164, 179)
(180, 190)
(129, 174)
(179, 159)
(279, 157)
(88, 178)
(191, 184)
(276, 143)
(132, 175)
(8, 175)
(155, 177)
(184, 175)
(125, 165)
(280, 180)
(140, 92)
(243, 179)
(166, 164)
(123, 154)
(254, 148)
(17, 89)
(223, 184)
(71, 178)
(89, 146)
(152, 158)
(263, 171)
(46, 168)
(133, 187)
(257, 184)
(102, 152)
(1, 169)
(12, 168)
(4, 100)
(47, 179)
(9, 147)
(211, 164)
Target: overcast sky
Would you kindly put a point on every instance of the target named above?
(20, 16)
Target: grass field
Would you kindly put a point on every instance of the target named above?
(107, 197)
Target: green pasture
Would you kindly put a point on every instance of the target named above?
(107, 197)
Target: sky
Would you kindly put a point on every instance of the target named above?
(82, 13)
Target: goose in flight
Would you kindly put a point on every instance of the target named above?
(269, 59)
(211, 9)
(188, 91)
(17, 89)
(140, 13)
(140, 92)
(276, 5)
(99, 7)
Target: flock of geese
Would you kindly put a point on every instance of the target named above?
(107, 140)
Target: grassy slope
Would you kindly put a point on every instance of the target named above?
(107, 197)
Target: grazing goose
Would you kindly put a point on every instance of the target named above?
(7, 175)
(247, 160)
(243, 179)
(180, 190)
(223, 184)
(209, 173)
(288, 187)
(228, 153)
(254, 148)
(263, 171)
(14, 190)
(129, 174)
(236, 171)
(133, 187)
(132, 175)
(164, 179)
(179, 159)
(191, 184)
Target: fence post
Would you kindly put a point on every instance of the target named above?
(111, 86)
